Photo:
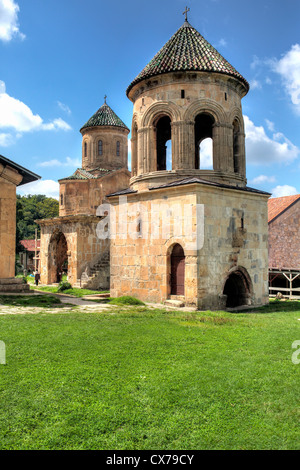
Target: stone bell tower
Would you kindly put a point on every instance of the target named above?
(201, 233)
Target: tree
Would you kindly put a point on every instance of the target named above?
(29, 209)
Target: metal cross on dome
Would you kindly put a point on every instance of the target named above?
(186, 12)
(105, 99)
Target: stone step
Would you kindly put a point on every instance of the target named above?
(14, 288)
(11, 280)
(174, 303)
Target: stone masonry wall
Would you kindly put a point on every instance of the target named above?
(141, 266)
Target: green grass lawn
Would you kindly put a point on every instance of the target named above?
(76, 292)
(135, 378)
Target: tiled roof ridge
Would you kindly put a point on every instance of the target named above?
(82, 174)
(187, 50)
(105, 116)
(277, 205)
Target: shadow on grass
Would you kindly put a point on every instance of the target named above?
(45, 301)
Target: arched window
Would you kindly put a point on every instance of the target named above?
(163, 144)
(118, 148)
(62, 199)
(85, 150)
(100, 147)
(203, 137)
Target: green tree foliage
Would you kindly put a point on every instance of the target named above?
(29, 209)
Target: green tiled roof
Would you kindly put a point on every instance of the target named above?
(81, 174)
(187, 50)
(105, 116)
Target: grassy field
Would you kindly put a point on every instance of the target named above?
(135, 378)
(76, 292)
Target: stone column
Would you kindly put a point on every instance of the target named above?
(222, 147)
(134, 156)
(146, 154)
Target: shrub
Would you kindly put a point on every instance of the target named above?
(126, 300)
(64, 285)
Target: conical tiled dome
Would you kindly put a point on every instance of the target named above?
(105, 116)
(187, 50)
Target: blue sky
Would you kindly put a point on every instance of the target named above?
(58, 58)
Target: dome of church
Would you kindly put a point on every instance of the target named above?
(105, 116)
(187, 51)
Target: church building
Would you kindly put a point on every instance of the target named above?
(183, 231)
(69, 243)
(183, 226)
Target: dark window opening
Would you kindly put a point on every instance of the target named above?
(182, 94)
(225, 96)
(163, 144)
(85, 150)
(62, 199)
(118, 149)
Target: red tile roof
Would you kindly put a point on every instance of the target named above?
(29, 245)
(277, 205)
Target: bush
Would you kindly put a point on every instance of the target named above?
(126, 300)
(64, 285)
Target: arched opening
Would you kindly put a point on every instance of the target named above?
(206, 154)
(236, 146)
(237, 289)
(177, 270)
(203, 130)
(163, 143)
(57, 257)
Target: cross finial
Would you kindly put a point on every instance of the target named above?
(105, 99)
(186, 12)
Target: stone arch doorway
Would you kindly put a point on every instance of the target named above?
(177, 270)
(238, 289)
(57, 257)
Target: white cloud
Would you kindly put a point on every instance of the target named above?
(270, 125)
(261, 179)
(6, 139)
(55, 163)
(9, 26)
(17, 116)
(255, 84)
(263, 150)
(288, 67)
(206, 152)
(64, 107)
(284, 190)
(47, 188)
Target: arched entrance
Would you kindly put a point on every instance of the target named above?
(237, 289)
(57, 257)
(177, 270)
